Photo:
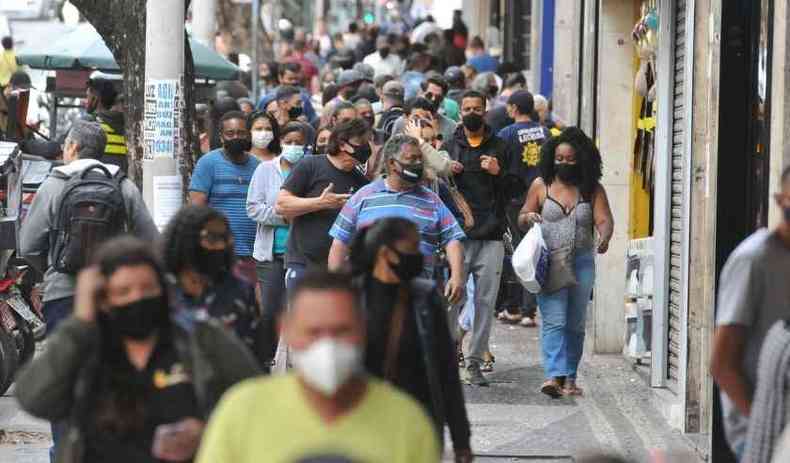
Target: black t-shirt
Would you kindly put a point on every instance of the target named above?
(168, 396)
(523, 141)
(498, 119)
(309, 240)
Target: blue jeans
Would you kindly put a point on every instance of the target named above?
(293, 275)
(56, 311)
(564, 314)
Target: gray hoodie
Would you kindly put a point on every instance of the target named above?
(35, 233)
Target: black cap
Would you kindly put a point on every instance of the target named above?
(454, 76)
(21, 80)
(523, 101)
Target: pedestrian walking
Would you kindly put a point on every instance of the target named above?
(271, 239)
(523, 139)
(409, 342)
(102, 107)
(571, 205)
(264, 135)
(315, 191)
(222, 177)
(132, 385)
(479, 159)
(420, 108)
(753, 295)
(50, 218)
(328, 406)
(198, 254)
(402, 194)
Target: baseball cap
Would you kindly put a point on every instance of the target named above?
(20, 79)
(394, 89)
(454, 75)
(523, 101)
(366, 70)
(348, 77)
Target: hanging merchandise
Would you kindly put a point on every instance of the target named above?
(644, 35)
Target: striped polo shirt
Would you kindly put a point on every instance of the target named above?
(375, 201)
(226, 184)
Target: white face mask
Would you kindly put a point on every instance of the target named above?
(327, 364)
(293, 153)
(262, 138)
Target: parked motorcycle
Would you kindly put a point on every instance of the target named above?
(21, 318)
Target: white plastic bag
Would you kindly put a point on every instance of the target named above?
(530, 260)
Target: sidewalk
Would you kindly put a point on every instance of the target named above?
(512, 421)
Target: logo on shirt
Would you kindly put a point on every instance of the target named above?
(177, 375)
(531, 154)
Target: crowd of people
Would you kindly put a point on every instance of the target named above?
(357, 215)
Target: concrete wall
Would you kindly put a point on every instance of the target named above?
(567, 31)
(615, 126)
(780, 105)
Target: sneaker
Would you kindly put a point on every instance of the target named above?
(488, 362)
(474, 377)
(528, 322)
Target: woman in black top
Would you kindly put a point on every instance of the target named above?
(132, 385)
(409, 341)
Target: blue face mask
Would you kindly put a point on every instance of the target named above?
(293, 153)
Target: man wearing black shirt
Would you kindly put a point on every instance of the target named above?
(479, 161)
(523, 139)
(314, 193)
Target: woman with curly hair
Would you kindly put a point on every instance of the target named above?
(198, 255)
(570, 203)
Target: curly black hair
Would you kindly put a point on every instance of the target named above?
(587, 157)
(181, 240)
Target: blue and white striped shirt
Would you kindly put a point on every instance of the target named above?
(226, 184)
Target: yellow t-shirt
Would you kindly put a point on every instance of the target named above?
(8, 66)
(269, 420)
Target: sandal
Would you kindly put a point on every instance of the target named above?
(528, 322)
(551, 387)
(488, 362)
(460, 357)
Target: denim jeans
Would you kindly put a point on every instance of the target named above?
(293, 275)
(56, 311)
(271, 276)
(564, 314)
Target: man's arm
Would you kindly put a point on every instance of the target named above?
(455, 259)
(34, 235)
(338, 255)
(198, 198)
(729, 342)
(290, 206)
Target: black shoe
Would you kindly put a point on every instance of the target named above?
(474, 377)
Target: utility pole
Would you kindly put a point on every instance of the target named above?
(204, 21)
(162, 122)
(256, 18)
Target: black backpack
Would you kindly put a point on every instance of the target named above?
(91, 211)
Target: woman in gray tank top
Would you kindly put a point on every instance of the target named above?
(571, 205)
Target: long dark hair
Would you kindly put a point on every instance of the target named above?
(587, 157)
(367, 242)
(181, 240)
(274, 146)
(120, 398)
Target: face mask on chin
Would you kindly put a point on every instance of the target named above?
(327, 364)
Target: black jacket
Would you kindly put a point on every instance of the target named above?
(426, 366)
(483, 191)
(57, 384)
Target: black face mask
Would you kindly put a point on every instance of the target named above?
(138, 320)
(492, 91)
(409, 266)
(295, 112)
(361, 153)
(384, 52)
(568, 173)
(473, 122)
(411, 173)
(213, 264)
(320, 149)
(237, 146)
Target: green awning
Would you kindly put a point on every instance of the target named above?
(84, 48)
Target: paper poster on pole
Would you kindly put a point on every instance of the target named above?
(161, 117)
(168, 198)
